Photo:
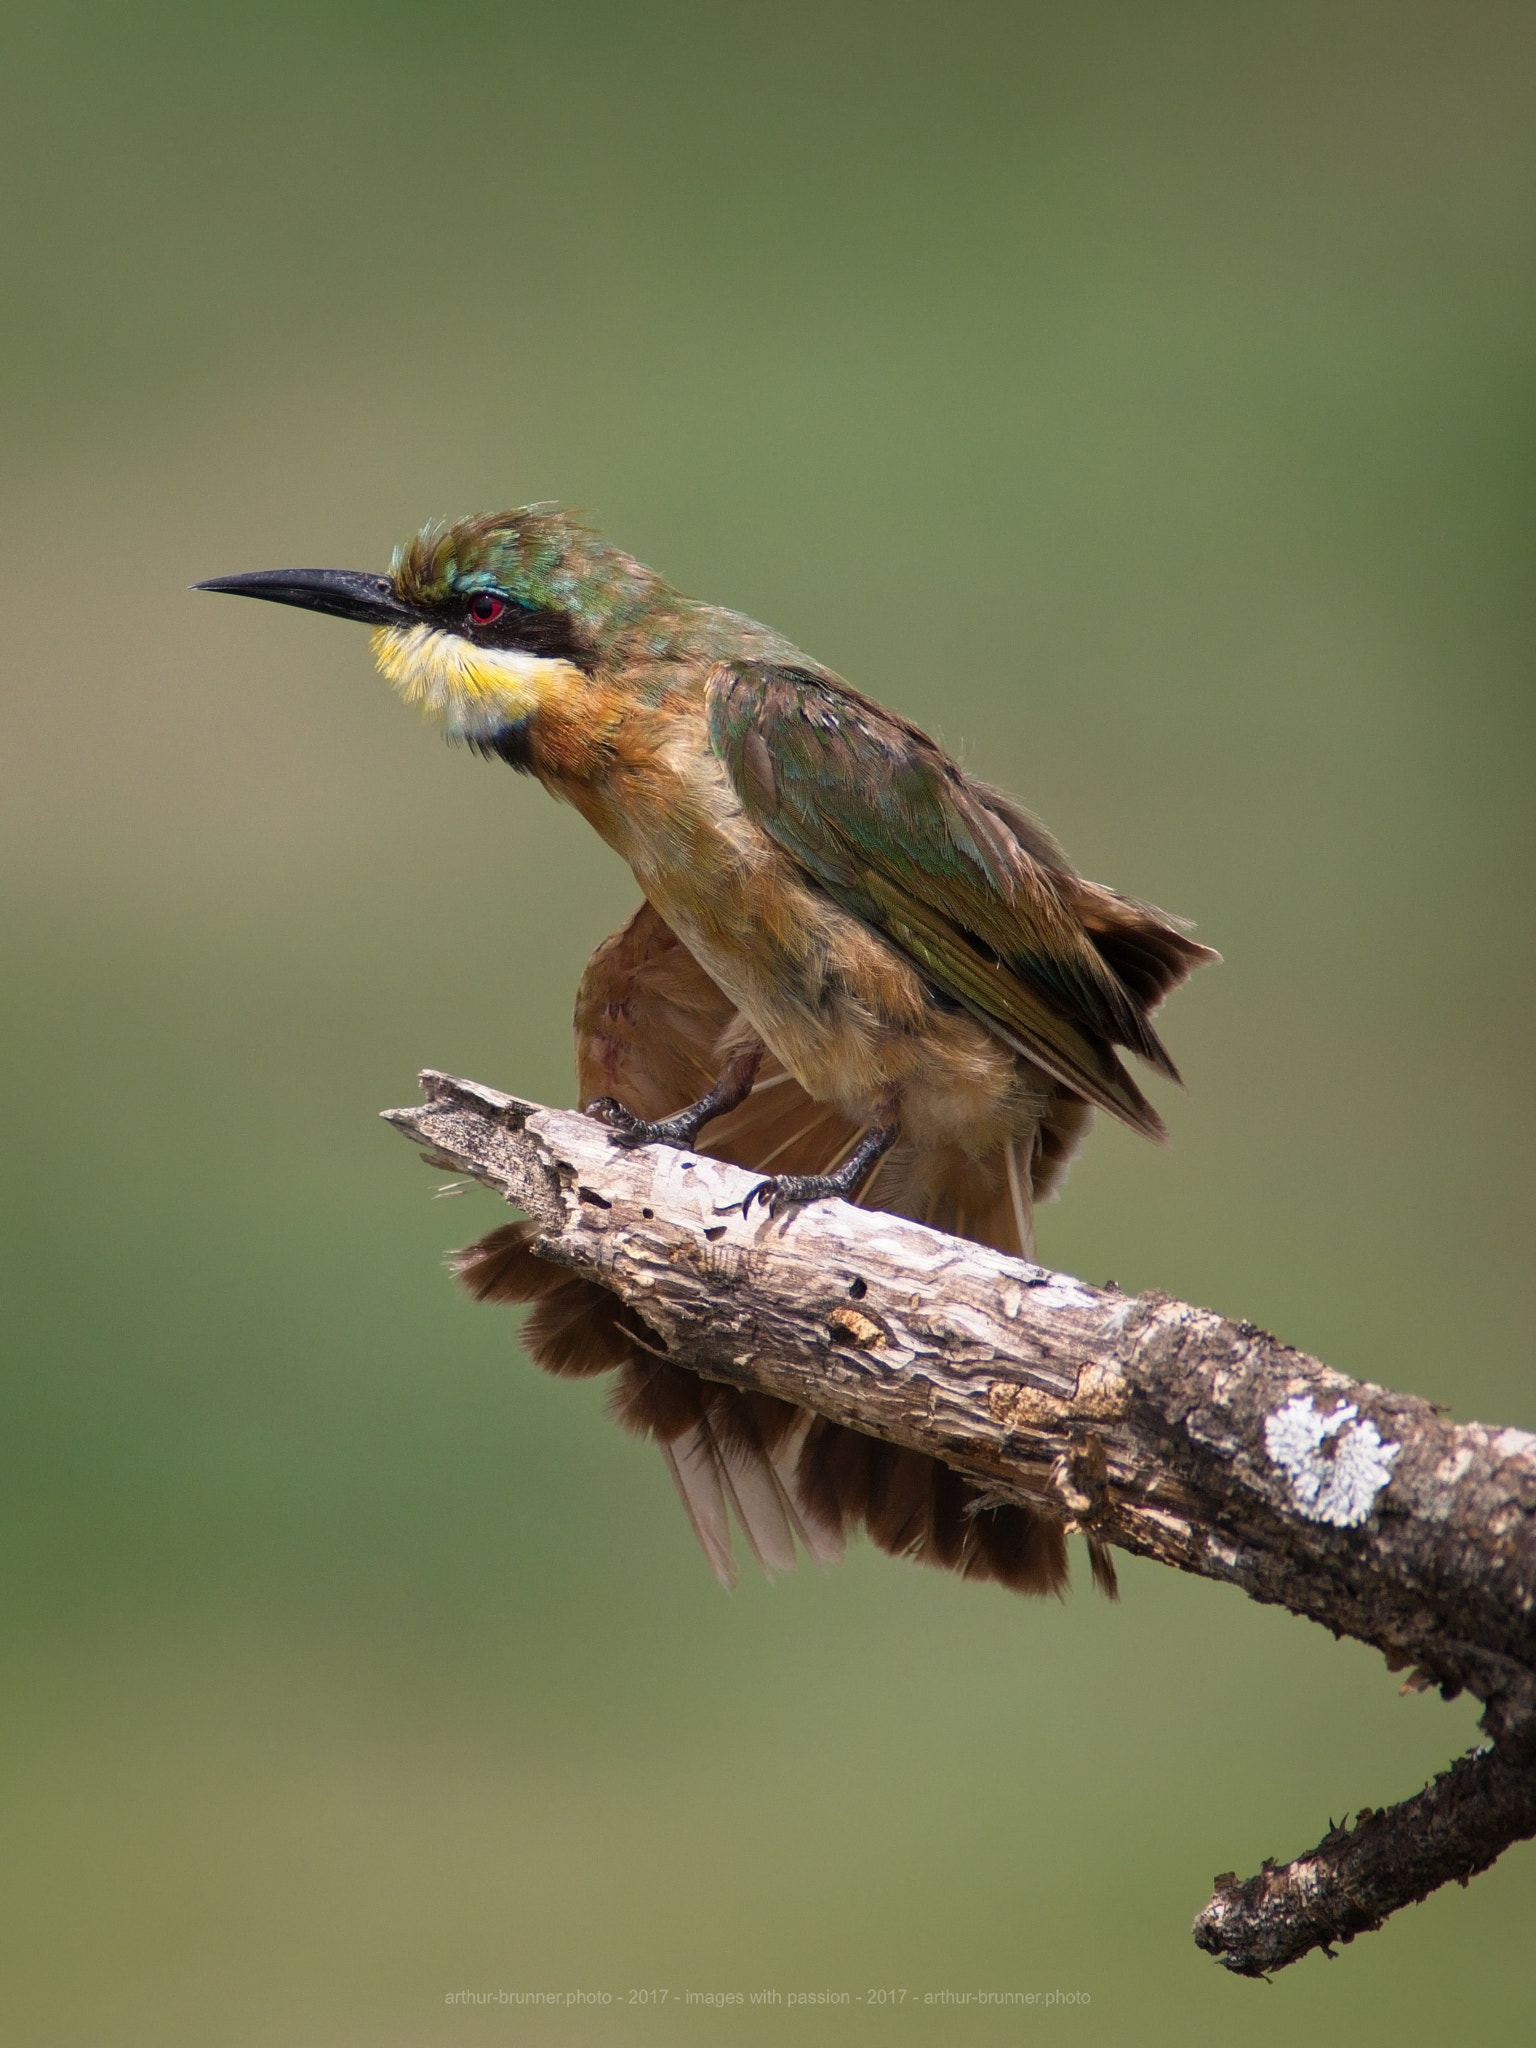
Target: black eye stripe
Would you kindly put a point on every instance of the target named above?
(530, 628)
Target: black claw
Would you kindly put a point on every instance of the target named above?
(681, 1130)
(606, 1111)
(629, 1129)
(781, 1190)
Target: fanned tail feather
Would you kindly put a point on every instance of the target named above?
(1101, 1563)
(695, 1473)
(653, 1030)
(915, 1507)
(715, 1465)
(722, 1445)
(574, 1328)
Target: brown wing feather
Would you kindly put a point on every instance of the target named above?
(1150, 952)
(653, 1030)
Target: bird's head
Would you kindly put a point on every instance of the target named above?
(477, 619)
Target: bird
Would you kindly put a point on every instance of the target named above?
(856, 970)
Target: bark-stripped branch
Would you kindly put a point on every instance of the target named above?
(1160, 1427)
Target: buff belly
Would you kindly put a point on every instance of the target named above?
(849, 1017)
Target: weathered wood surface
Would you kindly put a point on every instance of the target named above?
(1161, 1427)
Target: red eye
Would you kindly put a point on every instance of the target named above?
(486, 606)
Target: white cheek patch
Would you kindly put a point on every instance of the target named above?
(470, 691)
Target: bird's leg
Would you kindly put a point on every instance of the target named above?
(732, 1088)
(781, 1189)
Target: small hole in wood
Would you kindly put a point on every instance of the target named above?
(858, 1288)
(591, 1195)
(716, 1233)
(647, 1214)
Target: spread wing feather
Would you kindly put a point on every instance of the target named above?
(976, 896)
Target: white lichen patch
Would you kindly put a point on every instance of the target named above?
(1335, 1463)
(1456, 1466)
(1513, 1443)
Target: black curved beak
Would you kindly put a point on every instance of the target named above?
(344, 593)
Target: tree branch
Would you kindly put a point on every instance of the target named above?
(1160, 1427)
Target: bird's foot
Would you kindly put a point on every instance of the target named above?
(627, 1129)
(682, 1130)
(788, 1190)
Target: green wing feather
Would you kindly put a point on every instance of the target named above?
(901, 837)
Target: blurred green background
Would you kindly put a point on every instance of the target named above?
(1140, 396)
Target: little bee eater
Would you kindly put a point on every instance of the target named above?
(857, 970)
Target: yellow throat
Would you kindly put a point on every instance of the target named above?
(468, 690)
